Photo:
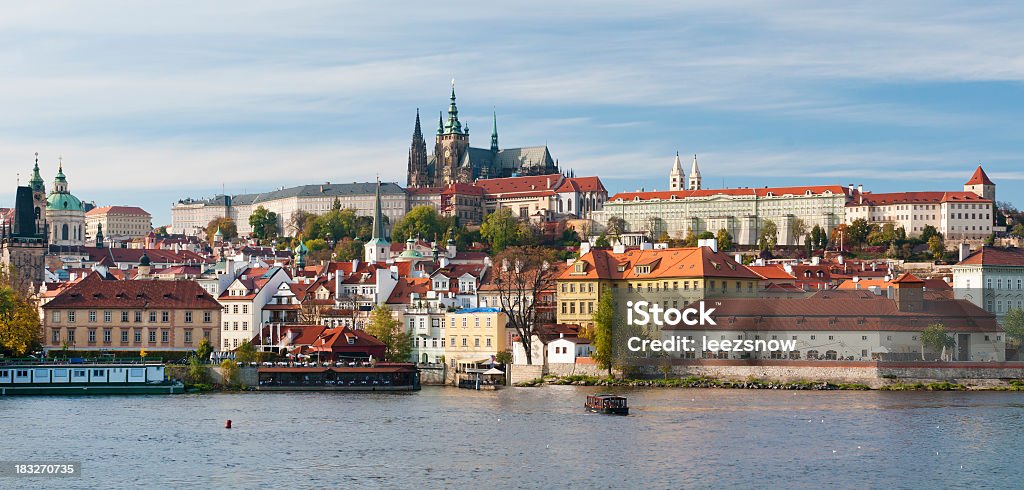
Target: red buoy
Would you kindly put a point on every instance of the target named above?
(228, 424)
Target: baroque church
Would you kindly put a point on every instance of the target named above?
(454, 161)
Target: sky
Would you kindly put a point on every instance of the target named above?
(151, 102)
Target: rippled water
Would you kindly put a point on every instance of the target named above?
(523, 438)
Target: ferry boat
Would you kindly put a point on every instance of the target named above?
(382, 377)
(607, 404)
(81, 377)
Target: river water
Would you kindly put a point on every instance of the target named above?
(522, 438)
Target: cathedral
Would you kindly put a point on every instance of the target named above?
(454, 161)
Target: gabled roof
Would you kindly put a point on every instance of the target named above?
(1005, 256)
(674, 262)
(94, 292)
(979, 177)
(407, 286)
(927, 197)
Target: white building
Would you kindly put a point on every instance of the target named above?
(967, 215)
(991, 278)
(118, 222)
(243, 303)
(65, 214)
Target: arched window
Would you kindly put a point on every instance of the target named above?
(831, 355)
(812, 354)
(64, 232)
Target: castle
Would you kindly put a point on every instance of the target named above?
(454, 161)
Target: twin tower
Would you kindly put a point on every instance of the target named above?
(677, 179)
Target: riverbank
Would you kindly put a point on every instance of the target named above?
(760, 384)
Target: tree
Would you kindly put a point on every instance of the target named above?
(616, 226)
(1013, 324)
(928, 232)
(420, 221)
(384, 326)
(20, 331)
(690, 240)
(348, 249)
(204, 350)
(858, 231)
(225, 225)
(229, 372)
(501, 229)
(602, 242)
(797, 230)
(604, 319)
(161, 230)
(936, 246)
(299, 222)
(521, 273)
(724, 239)
(197, 372)
(263, 223)
(504, 357)
(769, 236)
(819, 239)
(246, 353)
(1018, 230)
(989, 240)
(934, 336)
(808, 245)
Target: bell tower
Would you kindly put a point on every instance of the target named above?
(452, 143)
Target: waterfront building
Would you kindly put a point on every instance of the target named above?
(967, 215)
(992, 278)
(190, 216)
(119, 223)
(743, 212)
(682, 275)
(423, 313)
(474, 336)
(544, 197)
(849, 325)
(65, 213)
(100, 314)
(454, 161)
(243, 302)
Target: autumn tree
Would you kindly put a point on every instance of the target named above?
(263, 223)
(769, 236)
(387, 329)
(204, 350)
(724, 239)
(797, 230)
(521, 273)
(226, 226)
(247, 353)
(857, 232)
(604, 319)
(348, 249)
(20, 331)
(936, 246)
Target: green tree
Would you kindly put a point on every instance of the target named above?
(501, 229)
(934, 336)
(769, 236)
(348, 249)
(1018, 230)
(197, 372)
(263, 223)
(1013, 324)
(602, 242)
(819, 238)
(857, 232)
(808, 245)
(384, 326)
(247, 353)
(204, 350)
(603, 340)
(162, 230)
(797, 230)
(724, 239)
(990, 240)
(928, 232)
(504, 357)
(936, 246)
(690, 240)
(226, 226)
(20, 331)
(229, 372)
(420, 221)
(616, 226)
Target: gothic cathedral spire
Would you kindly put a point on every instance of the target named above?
(418, 158)
(494, 134)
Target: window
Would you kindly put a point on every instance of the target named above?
(124, 317)
(106, 317)
(124, 336)
(465, 342)
(92, 316)
(55, 316)
(164, 336)
(71, 316)
(488, 342)
(92, 335)
(106, 335)
(863, 337)
(152, 317)
(245, 309)
(188, 317)
(245, 326)
(164, 316)
(453, 342)
(234, 308)
(152, 336)
(234, 325)
(71, 336)
(55, 336)
(227, 343)
(476, 341)
(138, 317)
(138, 336)
(207, 317)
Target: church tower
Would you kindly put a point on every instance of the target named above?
(694, 175)
(418, 158)
(450, 147)
(676, 178)
(38, 195)
(376, 250)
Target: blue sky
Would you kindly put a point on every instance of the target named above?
(149, 103)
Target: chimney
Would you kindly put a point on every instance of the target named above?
(619, 248)
(860, 188)
(965, 250)
(584, 248)
(850, 187)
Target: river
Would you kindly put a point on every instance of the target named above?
(522, 438)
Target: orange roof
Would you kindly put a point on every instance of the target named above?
(980, 177)
(408, 285)
(770, 272)
(995, 256)
(664, 263)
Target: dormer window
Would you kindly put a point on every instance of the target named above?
(580, 267)
(642, 269)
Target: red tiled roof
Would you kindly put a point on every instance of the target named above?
(672, 262)
(93, 292)
(908, 278)
(759, 192)
(128, 210)
(927, 197)
(406, 286)
(995, 256)
(771, 272)
(980, 177)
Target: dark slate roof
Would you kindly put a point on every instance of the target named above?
(311, 190)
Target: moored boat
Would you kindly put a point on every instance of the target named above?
(607, 404)
(381, 377)
(81, 377)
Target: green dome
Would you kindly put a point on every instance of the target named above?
(63, 201)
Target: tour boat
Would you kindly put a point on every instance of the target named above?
(381, 377)
(80, 377)
(607, 404)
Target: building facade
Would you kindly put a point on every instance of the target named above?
(118, 223)
(152, 315)
(991, 278)
(65, 213)
(23, 241)
(474, 335)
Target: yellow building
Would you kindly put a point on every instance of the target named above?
(680, 275)
(474, 335)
